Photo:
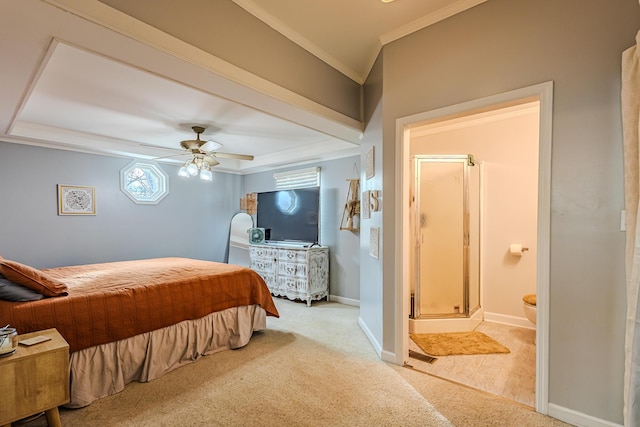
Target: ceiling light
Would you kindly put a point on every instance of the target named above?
(386, 1)
(203, 156)
(192, 169)
(206, 175)
(196, 167)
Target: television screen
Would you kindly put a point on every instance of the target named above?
(289, 215)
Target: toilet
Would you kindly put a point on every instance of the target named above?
(529, 307)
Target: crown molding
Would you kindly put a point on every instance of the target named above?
(427, 20)
(251, 7)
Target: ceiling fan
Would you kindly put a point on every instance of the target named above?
(203, 156)
(198, 146)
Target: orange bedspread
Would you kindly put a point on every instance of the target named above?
(111, 301)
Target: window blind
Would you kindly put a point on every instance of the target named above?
(300, 178)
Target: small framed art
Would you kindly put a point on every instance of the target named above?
(76, 200)
(365, 205)
(374, 242)
(370, 166)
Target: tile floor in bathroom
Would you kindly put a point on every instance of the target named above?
(512, 375)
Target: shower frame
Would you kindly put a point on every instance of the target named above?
(470, 309)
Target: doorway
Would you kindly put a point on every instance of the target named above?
(542, 95)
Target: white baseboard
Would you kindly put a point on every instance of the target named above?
(343, 300)
(376, 345)
(521, 322)
(388, 357)
(578, 418)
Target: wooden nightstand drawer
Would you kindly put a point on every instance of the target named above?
(35, 379)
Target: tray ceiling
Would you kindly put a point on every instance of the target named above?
(80, 86)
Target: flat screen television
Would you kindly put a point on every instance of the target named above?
(290, 215)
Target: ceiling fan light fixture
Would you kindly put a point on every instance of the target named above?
(183, 171)
(203, 156)
(192, 169)
(206, 175)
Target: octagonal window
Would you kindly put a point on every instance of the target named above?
(144, 183)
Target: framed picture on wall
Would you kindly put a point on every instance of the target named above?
(365, 205)
(76, 200)
(370, 166)
(374, 242)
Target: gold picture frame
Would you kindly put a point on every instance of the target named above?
(76, 200)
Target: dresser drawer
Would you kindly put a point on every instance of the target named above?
(263, 265)
(292, 269)
(292, 255)
(263, 252)
(293, 284)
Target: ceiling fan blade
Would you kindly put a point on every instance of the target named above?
(212, 162)
(198, 149)
(161, 148)
(172, 155)
(210, 145)
(232, 156)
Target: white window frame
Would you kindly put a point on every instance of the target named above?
(156, 196)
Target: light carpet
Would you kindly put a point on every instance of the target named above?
(312, 367)
(458, 343)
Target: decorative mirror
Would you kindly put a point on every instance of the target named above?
(239, 239)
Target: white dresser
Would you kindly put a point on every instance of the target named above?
(293, 271)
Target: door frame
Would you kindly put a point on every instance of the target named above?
(543, 93)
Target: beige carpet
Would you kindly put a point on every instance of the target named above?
(312, 367)
(458, 343)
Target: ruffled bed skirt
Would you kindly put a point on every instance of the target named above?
(105, 369)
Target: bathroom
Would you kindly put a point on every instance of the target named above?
(503, 206)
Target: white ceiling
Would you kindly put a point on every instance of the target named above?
(101, 92)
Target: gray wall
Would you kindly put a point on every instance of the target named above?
(224, 29)
(502, 45)
(371, 295)
(191, 221)
(344, 263)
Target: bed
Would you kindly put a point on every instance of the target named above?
(136, 320)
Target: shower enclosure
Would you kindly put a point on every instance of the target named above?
(445, 289)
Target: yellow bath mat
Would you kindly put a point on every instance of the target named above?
(458, 343)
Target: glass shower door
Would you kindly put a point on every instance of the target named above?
(441, 226)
